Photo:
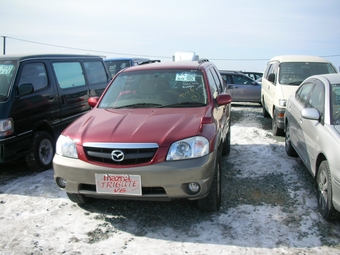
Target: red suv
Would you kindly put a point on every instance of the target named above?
(157, 133)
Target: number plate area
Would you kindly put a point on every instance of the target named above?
(119, 184)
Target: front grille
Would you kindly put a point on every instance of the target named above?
(136, 154)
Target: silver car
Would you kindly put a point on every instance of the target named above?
(312, 123)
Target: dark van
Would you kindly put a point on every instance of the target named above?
(39, 96)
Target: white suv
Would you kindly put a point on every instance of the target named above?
(281, 78)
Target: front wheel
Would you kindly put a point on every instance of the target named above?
(325, 193)
(212, 202)
(41, 155)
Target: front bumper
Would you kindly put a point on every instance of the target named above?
(161, 182)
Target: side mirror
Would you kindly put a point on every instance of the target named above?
(310, 113)
(25, 89)
(271, 77)
(92, 101)
(223, 99)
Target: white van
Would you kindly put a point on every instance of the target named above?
(281, 78)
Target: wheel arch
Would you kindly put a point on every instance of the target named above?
(321, 157)
(45, 126)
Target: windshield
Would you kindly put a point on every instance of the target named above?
(7, 69)
(294, 73)
(161, 88)
(335, 104)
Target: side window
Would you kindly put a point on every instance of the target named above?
(268, 70)
(69, 74)
(303, 92)
(238, 79)
(212, 85)
(219, 79)
(35, 74)
(95, 72)
(317, 97)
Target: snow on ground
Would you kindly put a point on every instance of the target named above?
(259, 215)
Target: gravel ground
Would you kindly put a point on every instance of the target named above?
(269, 207)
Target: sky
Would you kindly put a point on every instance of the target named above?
(235, 35)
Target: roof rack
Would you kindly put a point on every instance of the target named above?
(149, 62)
(202, 60)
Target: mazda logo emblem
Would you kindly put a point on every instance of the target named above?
(117, 155)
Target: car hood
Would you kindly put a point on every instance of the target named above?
(161, 126)
(337, 128)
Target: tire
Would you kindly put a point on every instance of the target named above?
(226, 144)
(212, 202)
(288, 143)
(41, 155)
(275, 129)
(264, 111)
(78, 198)
(325, 193)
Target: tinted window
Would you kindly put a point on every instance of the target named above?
(35, 74)
(69, 74)
(95, 72)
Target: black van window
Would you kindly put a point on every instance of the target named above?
(69, 74)
(95, 72)
(35, 74)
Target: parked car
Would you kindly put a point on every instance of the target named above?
(114, 65)
(281, 78)
(259, 80)
(39, 96)
(312, 123)
(157, 133)
(241, 87)
(253, 75)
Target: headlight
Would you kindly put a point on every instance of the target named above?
(188, 148)
(6, 127)
(282, 102)
(66, 147)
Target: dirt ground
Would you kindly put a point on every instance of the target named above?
(269, 207)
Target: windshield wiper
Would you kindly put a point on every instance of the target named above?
(184, 104)
(139, 105)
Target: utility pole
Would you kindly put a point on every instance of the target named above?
(4, 46)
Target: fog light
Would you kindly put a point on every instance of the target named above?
(194, 187)
(61, 182)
